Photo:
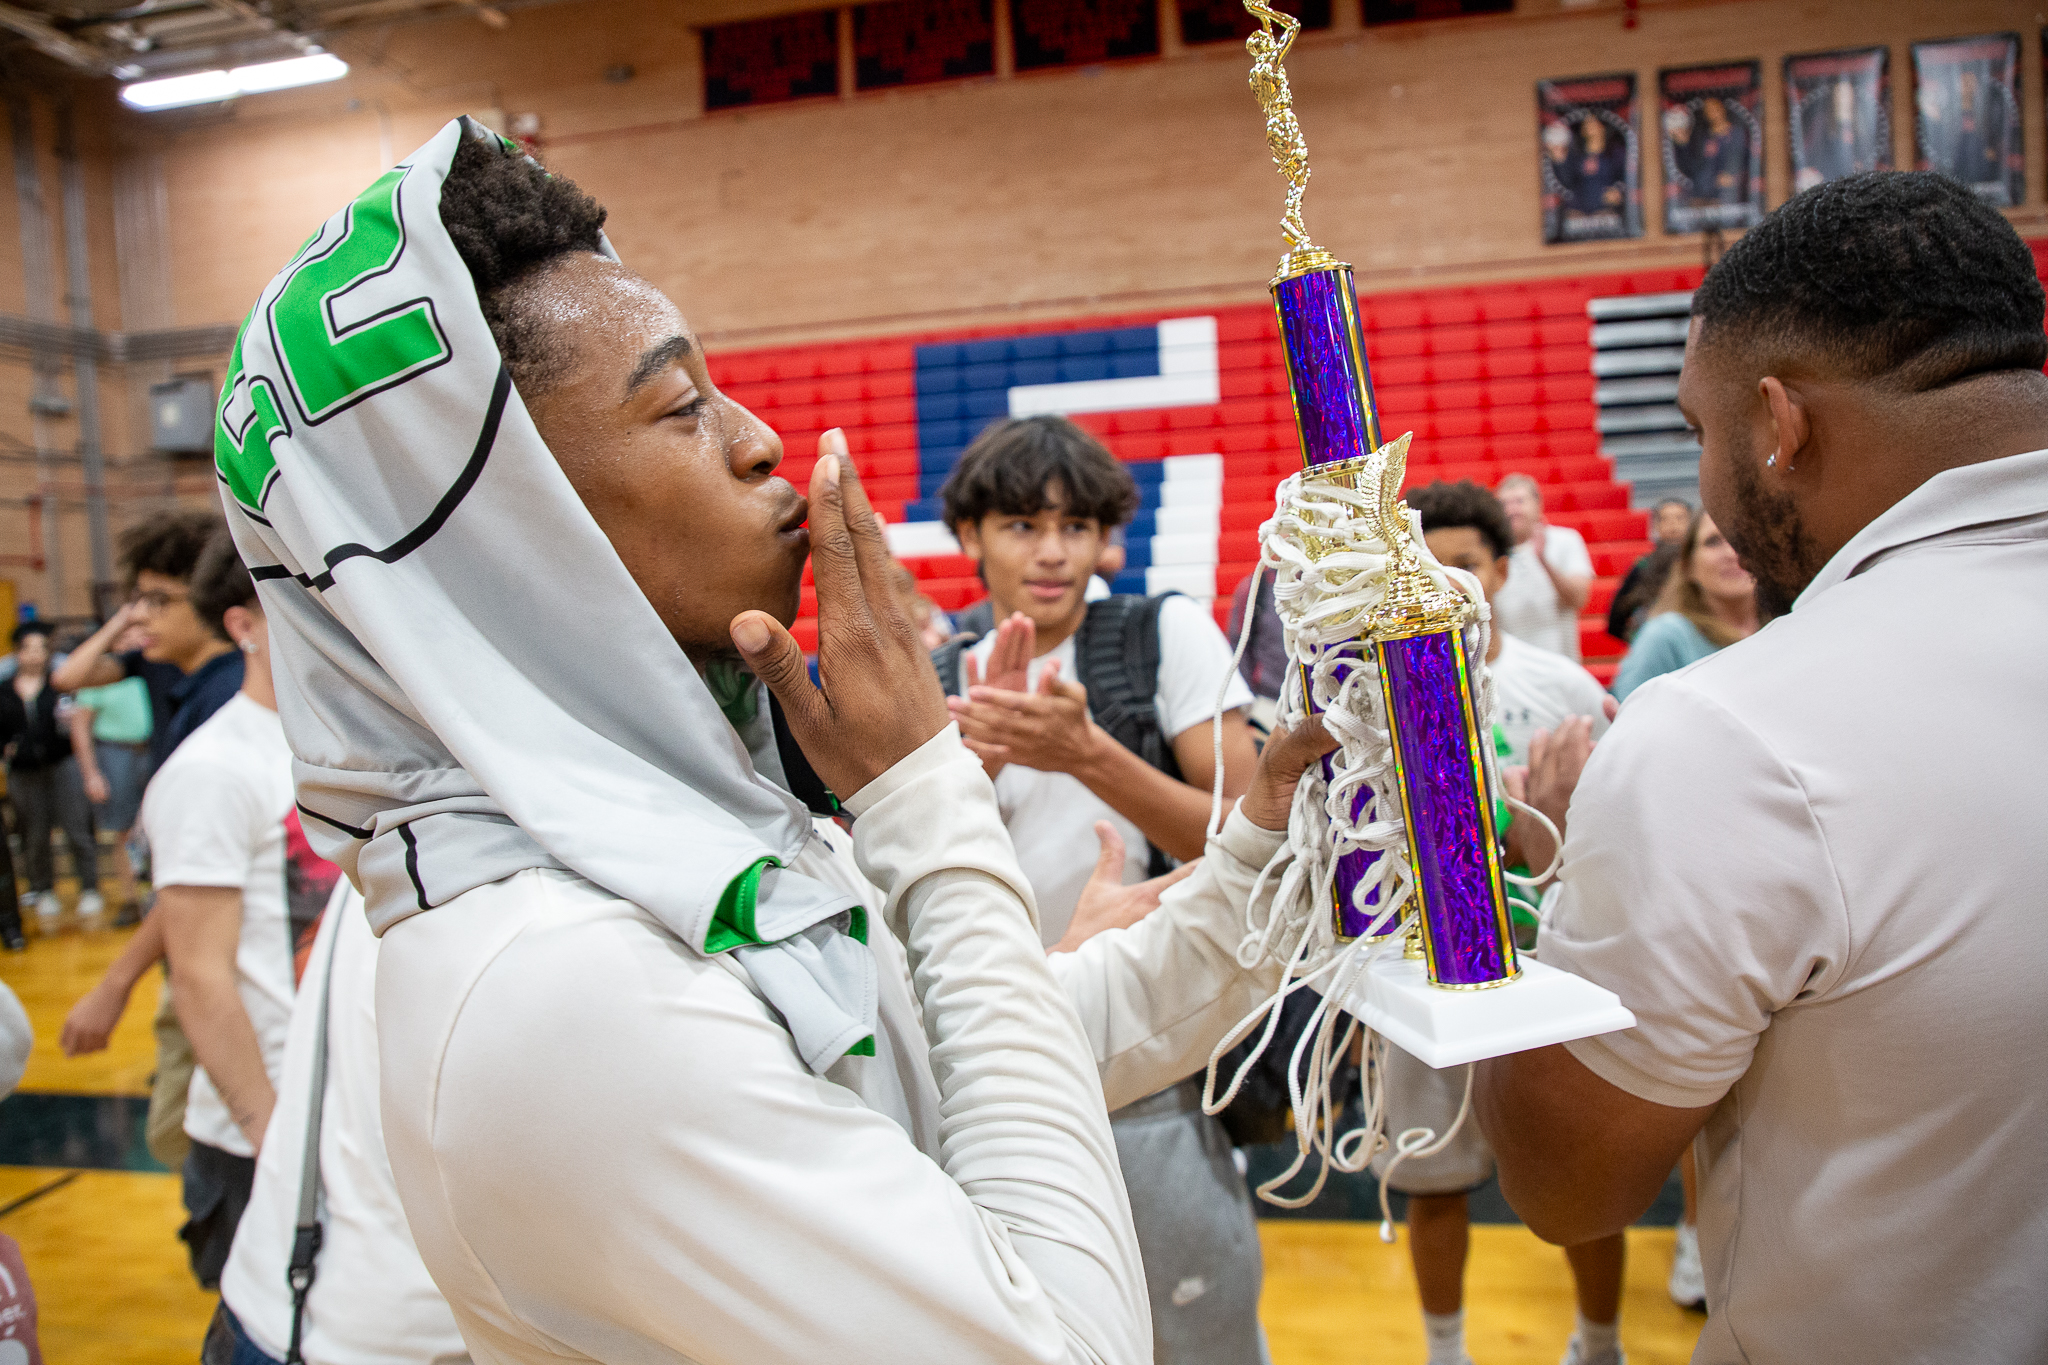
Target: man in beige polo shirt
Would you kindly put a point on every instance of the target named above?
(1812, 863)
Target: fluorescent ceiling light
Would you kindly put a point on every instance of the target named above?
(206, 87)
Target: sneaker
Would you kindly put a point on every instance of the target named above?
(1688, 1281)
(47, 904)
(1573, 1355)
(90, 905)
(12, 940)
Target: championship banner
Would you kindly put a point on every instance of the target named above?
(1712, 139)
(1589, 158)
(1967, 104)
(1838, 114)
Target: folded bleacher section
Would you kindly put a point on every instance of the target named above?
(1493, 379)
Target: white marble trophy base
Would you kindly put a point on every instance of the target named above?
(1443, 1028)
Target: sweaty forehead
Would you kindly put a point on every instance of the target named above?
(587, 299)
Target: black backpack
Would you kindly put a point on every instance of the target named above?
(1116, 657)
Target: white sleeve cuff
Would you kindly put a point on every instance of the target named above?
(925, 758)
(1253, 845)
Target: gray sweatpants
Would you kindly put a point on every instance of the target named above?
(1196, 1232)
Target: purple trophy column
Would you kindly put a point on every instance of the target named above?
(1337, 420)
(1451, 837)
(1326, 371)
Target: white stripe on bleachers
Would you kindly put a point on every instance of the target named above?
(1188, 377)
(1204, 519)
(1196, 580)
(1184, 549)
(910, 539)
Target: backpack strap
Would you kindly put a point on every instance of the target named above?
(307, 1233)
(1116, 657)
(946, 660)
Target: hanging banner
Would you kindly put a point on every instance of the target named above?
(1589, 158)
(1838, 110)
(1966, 95)
(1713, 141)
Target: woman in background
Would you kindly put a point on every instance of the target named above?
(1708, 603)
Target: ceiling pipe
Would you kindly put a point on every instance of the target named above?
(249, 14)
(53, 42)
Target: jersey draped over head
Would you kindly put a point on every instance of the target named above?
(478, 686)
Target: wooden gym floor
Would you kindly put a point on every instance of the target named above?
(97, 1221)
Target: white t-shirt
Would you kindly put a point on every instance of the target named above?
(1534, 689)
(1825, 911)
(372, 1301)
(215, 816)
(1527, 605)
(1051, 816)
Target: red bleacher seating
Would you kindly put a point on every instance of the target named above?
(1493, 379)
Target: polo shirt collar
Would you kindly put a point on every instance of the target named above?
(2007, 489)
(181, 690)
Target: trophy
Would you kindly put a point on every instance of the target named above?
(1388, 646)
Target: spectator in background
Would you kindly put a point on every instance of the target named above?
(1552, 574)
(219, 815)
(1708, 603)
(1669, 522)
(1125, 765)
(110, 730)
(1264, 663)
(43, 781)
(190, 669)
(1534, 689)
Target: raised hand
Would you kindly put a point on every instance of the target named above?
(881, 699)
(1556, 762)
(1106, 903)
(1009, 660)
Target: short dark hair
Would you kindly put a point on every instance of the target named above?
(1014, 463)
(168, 543)
(220, 581)
(28, 628)
(1446, 506)
(1663, 503)
(1898, 275)
(509, 219)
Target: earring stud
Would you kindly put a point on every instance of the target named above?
(1772, 463)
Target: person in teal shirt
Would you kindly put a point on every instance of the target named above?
(1707, 604)
(110, 731)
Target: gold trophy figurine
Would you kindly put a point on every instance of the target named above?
(1283, 131)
